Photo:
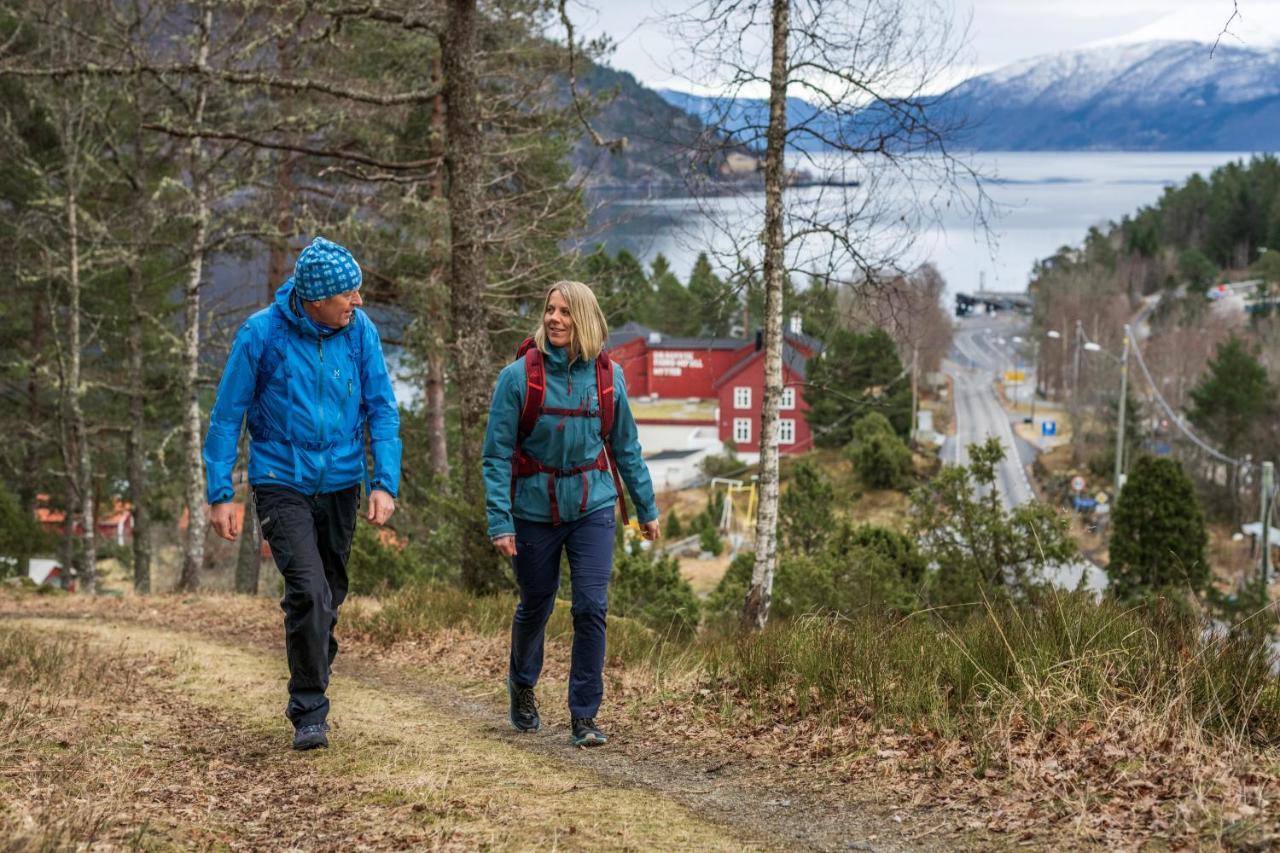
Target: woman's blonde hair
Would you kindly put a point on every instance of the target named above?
(590, 329)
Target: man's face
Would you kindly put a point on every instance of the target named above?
(335, 311)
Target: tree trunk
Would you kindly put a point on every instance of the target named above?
(437, 442)
(75, 391)
(31, 461)
(471, 352)
(755, 612)
(249, 558)
(282, 194)
(136, 444)
(435, 382)
(193, 552)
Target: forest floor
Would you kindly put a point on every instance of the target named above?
(157, 723)
(129, 724)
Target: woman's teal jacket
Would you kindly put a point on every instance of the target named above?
(308, 393)
(560, 442)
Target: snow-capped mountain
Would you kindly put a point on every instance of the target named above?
(1169, 95)
(1155, 95)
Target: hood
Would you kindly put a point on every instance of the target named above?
(300, 321)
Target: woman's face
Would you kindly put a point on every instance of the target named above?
(556, 320)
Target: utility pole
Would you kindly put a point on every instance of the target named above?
(1268, 483)
(1124, 397)
(1035, 386)
(1074, 402)
(915, 390)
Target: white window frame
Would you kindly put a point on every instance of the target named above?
(786, 431)
(742, 397)
(788, 400)
(742, 431)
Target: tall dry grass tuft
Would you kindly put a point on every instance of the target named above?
(1066, 661)
(48, 682)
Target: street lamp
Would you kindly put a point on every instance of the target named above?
(1090, 346)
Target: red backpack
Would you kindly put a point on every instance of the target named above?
(535, 394)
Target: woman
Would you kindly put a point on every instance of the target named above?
(551, 480)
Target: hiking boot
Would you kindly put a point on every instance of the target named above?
(524, 708)
(311, 737)
(587, 733)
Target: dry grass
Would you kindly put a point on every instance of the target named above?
(126, 735)
(697, 410)
(1083, 729)
(703, 575)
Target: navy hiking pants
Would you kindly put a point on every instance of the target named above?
(310, 538)
(588, 542)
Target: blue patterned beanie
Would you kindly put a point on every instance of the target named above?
(325, 269)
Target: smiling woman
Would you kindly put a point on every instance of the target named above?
(560, 442)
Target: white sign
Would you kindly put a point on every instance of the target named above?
(1077, 483)
(673, 362)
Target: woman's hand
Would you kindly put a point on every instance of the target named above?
(651, 531)
(506, 545)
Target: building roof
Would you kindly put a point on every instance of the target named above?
(627, 333)
(807, 341)
(701, 343)
(792, 359)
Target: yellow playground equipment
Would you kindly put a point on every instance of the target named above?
(738, 518)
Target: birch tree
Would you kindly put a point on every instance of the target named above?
(193, 468)
(864, 69)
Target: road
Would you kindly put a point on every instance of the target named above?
(982, 350)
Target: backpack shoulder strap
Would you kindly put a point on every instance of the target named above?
(604, 388)
(272, 351)
(535, 386)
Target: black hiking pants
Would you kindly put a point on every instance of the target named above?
(310, 539)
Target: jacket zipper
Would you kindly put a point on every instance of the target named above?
(324, 456)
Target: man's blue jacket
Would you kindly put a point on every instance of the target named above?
(308, 392)
(560, 442)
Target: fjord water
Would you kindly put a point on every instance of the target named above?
(1041, 201)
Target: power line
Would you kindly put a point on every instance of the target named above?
(1175, 419)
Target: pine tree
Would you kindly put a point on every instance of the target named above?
(880, 458)
(715, 301)
(859, 373)
(1158, 537)
(1232, 398)
(805, 519)
(674, 311)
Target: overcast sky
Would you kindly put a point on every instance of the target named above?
(1000, 31)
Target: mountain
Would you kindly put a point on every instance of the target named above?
(1161, 95)
(1164, 95)
(745, 119)
(662, 139)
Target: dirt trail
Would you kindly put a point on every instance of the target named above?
(415, 762)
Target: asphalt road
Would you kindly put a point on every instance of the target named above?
(983, 348)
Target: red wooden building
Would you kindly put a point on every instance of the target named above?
(728, 370)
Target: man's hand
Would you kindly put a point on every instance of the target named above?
(506, 545)
(650, 530)
(224, 520)
(381, 505)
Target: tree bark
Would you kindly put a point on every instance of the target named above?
(27, 490)
(136, 444)
(193, 552)
(435, 380)
(75, 392)
(437, 441)
(249, 557)
(471, 350)
(755, 612)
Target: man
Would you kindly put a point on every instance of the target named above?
(309, 374)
